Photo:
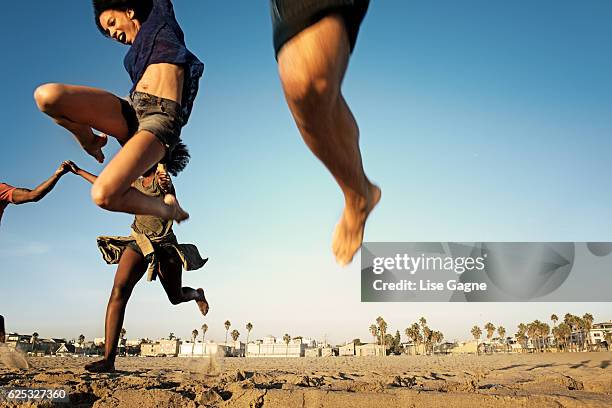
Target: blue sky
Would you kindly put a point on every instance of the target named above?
(481, 121)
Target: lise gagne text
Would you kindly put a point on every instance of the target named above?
(426, 285)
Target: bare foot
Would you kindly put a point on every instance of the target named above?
(101, 366)
(348, 234)
(179, 215)
(95, 148)
(202, 302)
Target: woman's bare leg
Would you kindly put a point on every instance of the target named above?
(81, 108)
(170, 275)
(112, 189)
(311, 67)
(131, 269)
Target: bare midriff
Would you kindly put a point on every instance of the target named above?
(163, 80)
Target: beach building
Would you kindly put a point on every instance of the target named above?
(199, 349)
(347, 350)
(148, 350)
(20, 342)
(444, 348)
(312, 352)
(65, 350)
(161, 348)
(465, 347)
(369, 349)
(27, 344)
(411, 348)
(328, 352)
(207, 349)
(270, 346)
(169, 348)
(598, 333)
(309, 342)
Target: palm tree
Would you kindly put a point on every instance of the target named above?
(561, 333)
(544, 332)
(532, 333)
(171, 336)
(437, 338)
(427, 339)
(587, 320)
(572, 322)
(227, 327)
(521, 336)
(204, 330)
(414, 333)
(249, 327)
(423, 324)
(501, 330)
(476, 332)
(81, 341)
(580, 325)
(490, 328)
(34, 340)
(554, 318)
(382, 327)
(194, 336)
(286, 339)
(235, 334)
(408, 332)
(374, 332)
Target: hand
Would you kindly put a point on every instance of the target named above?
(72, 167)
(165, 183)
(63, 168)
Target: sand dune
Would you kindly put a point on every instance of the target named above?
(544, 380)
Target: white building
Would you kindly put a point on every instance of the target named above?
(369, 349)
(199, 349)
(598, 332)
(347, 350)
(161, 348)
(270, 346)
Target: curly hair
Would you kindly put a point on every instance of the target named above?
(178, 159)
(142, 9)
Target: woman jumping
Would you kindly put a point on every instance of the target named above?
(152, 247)
(165, 77)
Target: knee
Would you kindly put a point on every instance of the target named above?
(120, 293)
(48, 96)
(175, 299)
(103, 196)
(309, 93)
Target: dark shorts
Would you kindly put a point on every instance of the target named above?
(160, 116)
(290, 17)
(163, 252)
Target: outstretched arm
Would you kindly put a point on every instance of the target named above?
(73, 168)
(165, 182)
(24, 195)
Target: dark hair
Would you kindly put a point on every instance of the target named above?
(178, 159)
(141, 8)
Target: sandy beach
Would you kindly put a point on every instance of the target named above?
(501, 380)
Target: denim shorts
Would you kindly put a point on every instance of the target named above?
(160, 116)
(290, 17)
